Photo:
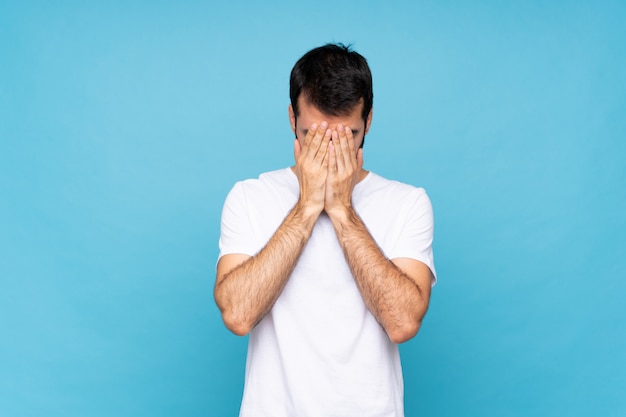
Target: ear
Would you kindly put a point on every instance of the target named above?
(368, 122)
(292, 119)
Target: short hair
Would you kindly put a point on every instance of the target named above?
(333, 78)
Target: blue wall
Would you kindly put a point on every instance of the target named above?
(123, 126)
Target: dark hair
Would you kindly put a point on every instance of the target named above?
(333, 78)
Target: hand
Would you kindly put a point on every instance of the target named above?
(312, 165)
(345, 165)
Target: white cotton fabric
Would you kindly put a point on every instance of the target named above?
(319, 351)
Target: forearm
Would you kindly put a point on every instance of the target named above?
(394, 298)
(248, 291)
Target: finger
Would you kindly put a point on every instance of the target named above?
(341, 132)
(323, 148)
(332, 158)
(352, 150)
(350, 138)
(347, 156)
(318, 138)
(308, 139)
(326, 159)
(336, 147)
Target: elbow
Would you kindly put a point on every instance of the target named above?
(408, 325)
(233, 321)
(404, 333)
(237, 325)
(238, 328)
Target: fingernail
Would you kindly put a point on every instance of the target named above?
(324, 125)
(314, 126)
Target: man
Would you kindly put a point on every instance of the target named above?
(326, 265)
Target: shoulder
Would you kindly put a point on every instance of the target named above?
(271, 191)
(375, 186)
(272, 180)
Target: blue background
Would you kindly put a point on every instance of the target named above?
(123, 126)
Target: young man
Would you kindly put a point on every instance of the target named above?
(326, 265)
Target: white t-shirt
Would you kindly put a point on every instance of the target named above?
(319, 351)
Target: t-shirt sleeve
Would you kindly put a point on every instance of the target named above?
(236, 233)
(416, 239)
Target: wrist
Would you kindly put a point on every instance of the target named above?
(340, 214)
(307, 211)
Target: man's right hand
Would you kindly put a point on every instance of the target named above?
(312, 166)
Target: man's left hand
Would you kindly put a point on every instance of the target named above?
(345, 165)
